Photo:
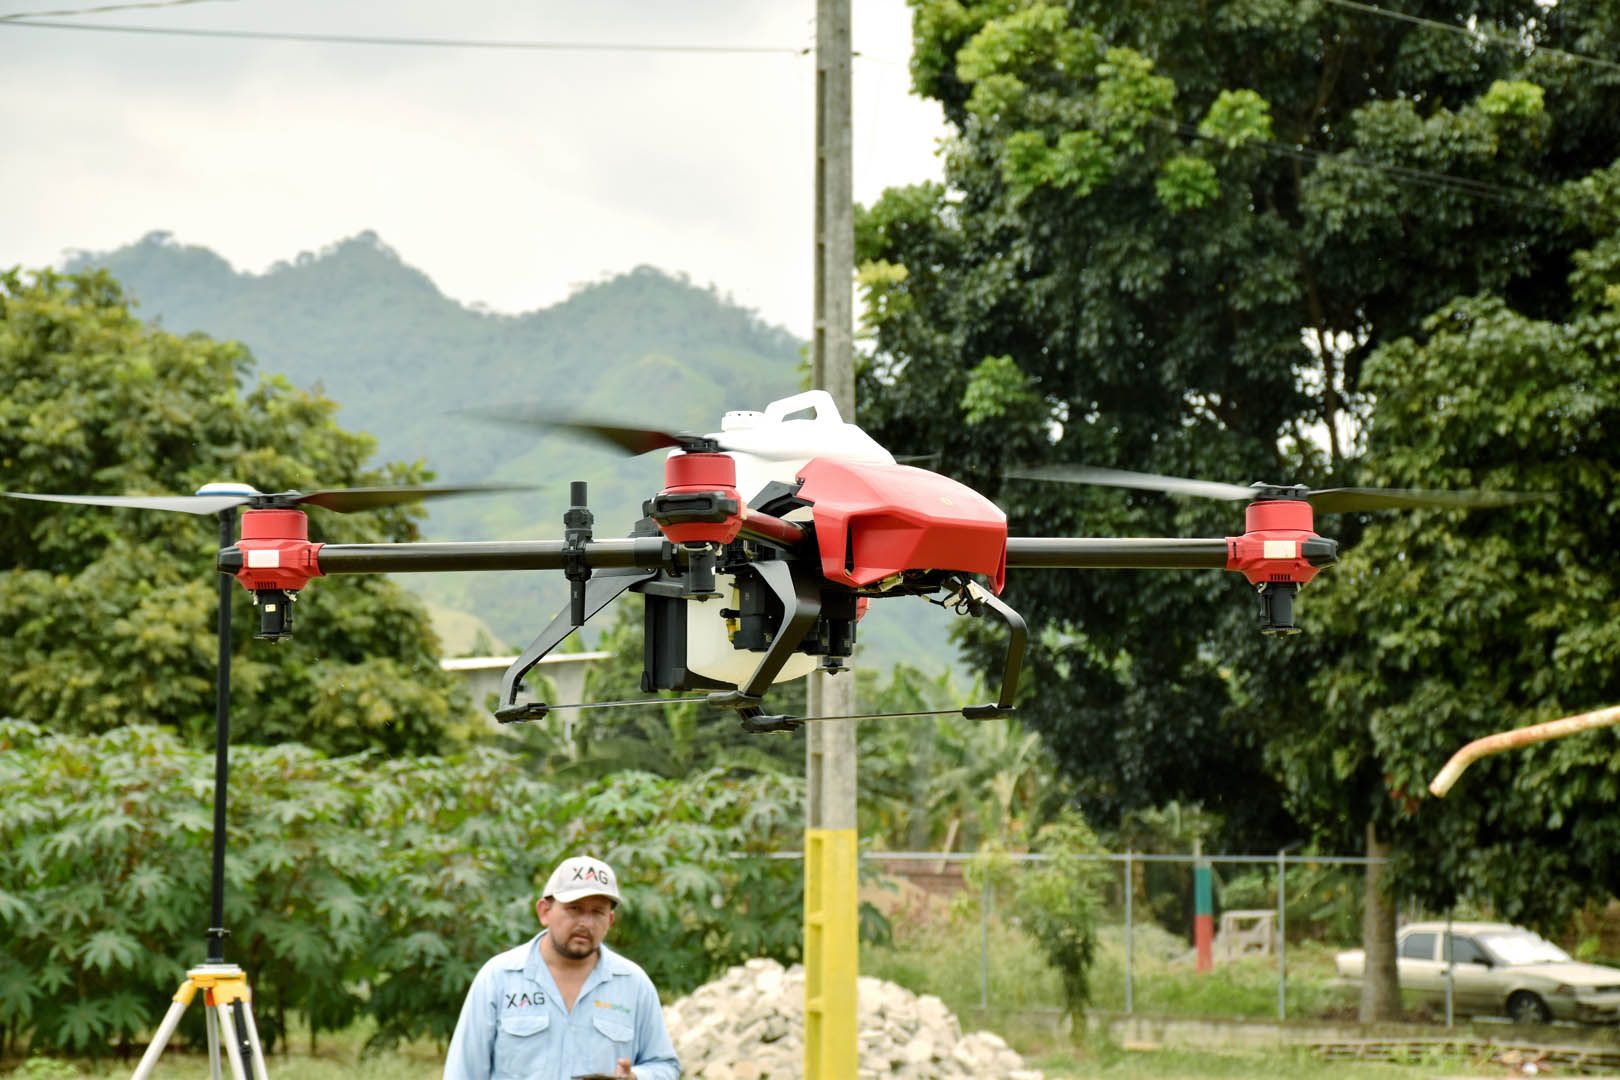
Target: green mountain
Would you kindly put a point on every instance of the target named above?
(377, 336)
(408, 364)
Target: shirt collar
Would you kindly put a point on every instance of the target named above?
(527, 958)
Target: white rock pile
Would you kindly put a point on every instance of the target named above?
(749, 1025)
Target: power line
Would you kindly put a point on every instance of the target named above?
(1475, 33)
(1439, 181)
(407, 42)
(98, 10)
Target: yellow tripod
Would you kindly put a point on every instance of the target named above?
(224, 987)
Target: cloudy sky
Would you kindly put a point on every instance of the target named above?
(508, 175)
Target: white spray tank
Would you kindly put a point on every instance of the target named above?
(768, 446)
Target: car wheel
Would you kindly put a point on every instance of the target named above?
(1526, 1008)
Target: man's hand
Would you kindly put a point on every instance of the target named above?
(624, 1069)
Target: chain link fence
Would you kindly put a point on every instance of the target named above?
(1176, 916)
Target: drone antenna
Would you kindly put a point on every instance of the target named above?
(577, 524)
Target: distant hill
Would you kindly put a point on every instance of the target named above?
(403, 360)
(380, 338)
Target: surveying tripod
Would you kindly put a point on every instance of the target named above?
(225, 990)
(226, 998)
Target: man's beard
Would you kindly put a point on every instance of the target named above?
(569, 948)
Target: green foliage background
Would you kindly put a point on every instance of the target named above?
(355, 885)
(1285, 242)
(107, 616)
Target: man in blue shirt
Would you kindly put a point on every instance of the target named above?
(563, 1005)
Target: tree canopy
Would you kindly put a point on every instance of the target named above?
(1444, 627)
(107, 616)
(1173, 239)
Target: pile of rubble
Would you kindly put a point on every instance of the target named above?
(749, 1025)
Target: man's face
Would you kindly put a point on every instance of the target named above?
(577, 928)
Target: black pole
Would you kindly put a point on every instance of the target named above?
(222, 741)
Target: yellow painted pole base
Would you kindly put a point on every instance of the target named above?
(831, 951)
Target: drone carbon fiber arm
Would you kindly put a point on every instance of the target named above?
(1078, 553)
(1123, 553)
(642, 552)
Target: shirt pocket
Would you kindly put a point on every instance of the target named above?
(520, 1044)
(611, 1040)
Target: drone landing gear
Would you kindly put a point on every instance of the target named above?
(976, 599)
(801, 607)
(972, 599)
(229, 1003)
(598, 592)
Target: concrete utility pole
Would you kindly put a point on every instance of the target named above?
(831, 907)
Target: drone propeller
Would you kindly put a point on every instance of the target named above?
(632, 440)
(212, 498)
(1326, 500)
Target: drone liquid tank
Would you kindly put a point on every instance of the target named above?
(770, 446)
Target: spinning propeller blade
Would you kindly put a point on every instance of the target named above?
(348, 500)
(1324, 500)
(1174, 485)
(185, 504)
(216, 497)
(1349, 500)
(632, 440)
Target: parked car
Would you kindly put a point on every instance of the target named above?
(1498, 970)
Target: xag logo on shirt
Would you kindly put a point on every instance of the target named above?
(525, 1000)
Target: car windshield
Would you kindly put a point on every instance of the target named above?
(1523, 948)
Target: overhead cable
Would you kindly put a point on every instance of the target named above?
(102, 10)
(408, 42)
(1495, 37)
(1462, 185)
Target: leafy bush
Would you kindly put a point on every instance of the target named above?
(1057, 900)
(354, 884)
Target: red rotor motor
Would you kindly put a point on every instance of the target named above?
(1279, 552)
(276, 552)
(277, 561)
(699, 503)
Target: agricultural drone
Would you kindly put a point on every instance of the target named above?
(756, 560)
(768, 540)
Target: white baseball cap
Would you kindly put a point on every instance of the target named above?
(579, 877)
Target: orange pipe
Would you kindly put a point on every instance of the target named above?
(1509, 740)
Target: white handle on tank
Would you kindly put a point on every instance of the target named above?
(819, 401)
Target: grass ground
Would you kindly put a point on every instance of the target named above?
(338, 1057)
(1197, 1065)
(1058, 1065)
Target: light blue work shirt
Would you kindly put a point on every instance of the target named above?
(514, 1025)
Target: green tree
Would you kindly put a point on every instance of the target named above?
(1169, 240)
(1139, 217)
(107, 616)
(944, 783)
(1058, 899)
(1440, 627)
